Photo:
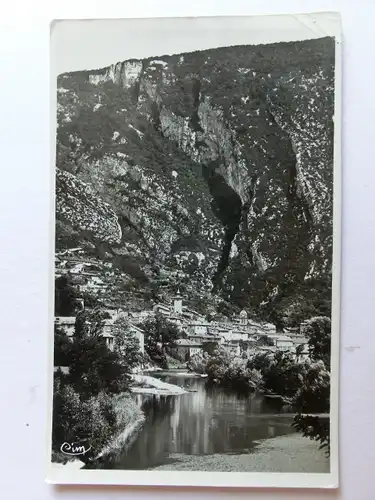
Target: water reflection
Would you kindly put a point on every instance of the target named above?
(207, 421)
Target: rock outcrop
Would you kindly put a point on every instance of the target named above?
(217, 166)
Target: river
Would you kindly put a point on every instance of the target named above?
(205, 421)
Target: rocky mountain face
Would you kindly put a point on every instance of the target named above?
(210, 169)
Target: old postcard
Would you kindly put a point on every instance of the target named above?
(196, 274)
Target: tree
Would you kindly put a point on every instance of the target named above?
(230, 371)
(312, 398)
(299, 351)
(198, 362)
(209, 347)
(314, 394)
(94, 368)
(283, 375)
(90, 323)
(243, 346)
(260, 362)
(126, 344)
(62, 347)
(90, 422)
(318, 331)
(160, 334)
(296, 309)
(65, 297)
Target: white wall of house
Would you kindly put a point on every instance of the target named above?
(236, 335)
(110, 342)
(177, 306)
(194, 350)
(66, 323)
(198, 329)
(284, 345)
(227, 335)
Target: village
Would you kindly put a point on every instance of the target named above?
(239, 335)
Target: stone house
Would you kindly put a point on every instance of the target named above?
(184, 349)
(67, 323)
(283, 343)
(109, 338)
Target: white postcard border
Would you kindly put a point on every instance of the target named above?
(321, 24)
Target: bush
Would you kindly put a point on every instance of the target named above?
(226, 370)
(91, 422)
(283, 376)
(198, 362)
(156, 354)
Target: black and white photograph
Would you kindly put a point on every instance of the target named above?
(196, 261)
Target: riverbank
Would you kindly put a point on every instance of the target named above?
(291, 453)
(144, 384)
(129, 420)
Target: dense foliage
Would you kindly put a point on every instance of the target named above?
(318, 331)
(126, 344)
(86, 421)
(226, 370)
(83, 404)
(160, 336)
(314, 394)
(65, 296)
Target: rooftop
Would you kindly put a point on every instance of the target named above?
(281, 337)
(66, 320)
(187, 343)
(267, 348)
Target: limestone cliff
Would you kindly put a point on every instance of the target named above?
(218, 166)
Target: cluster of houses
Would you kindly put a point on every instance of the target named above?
(238, 335)
(67, 323)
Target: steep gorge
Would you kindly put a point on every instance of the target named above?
(218, 164)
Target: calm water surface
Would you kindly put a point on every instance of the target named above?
(206, 421)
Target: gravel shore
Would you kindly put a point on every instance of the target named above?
(291, 453)
(152, 385)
